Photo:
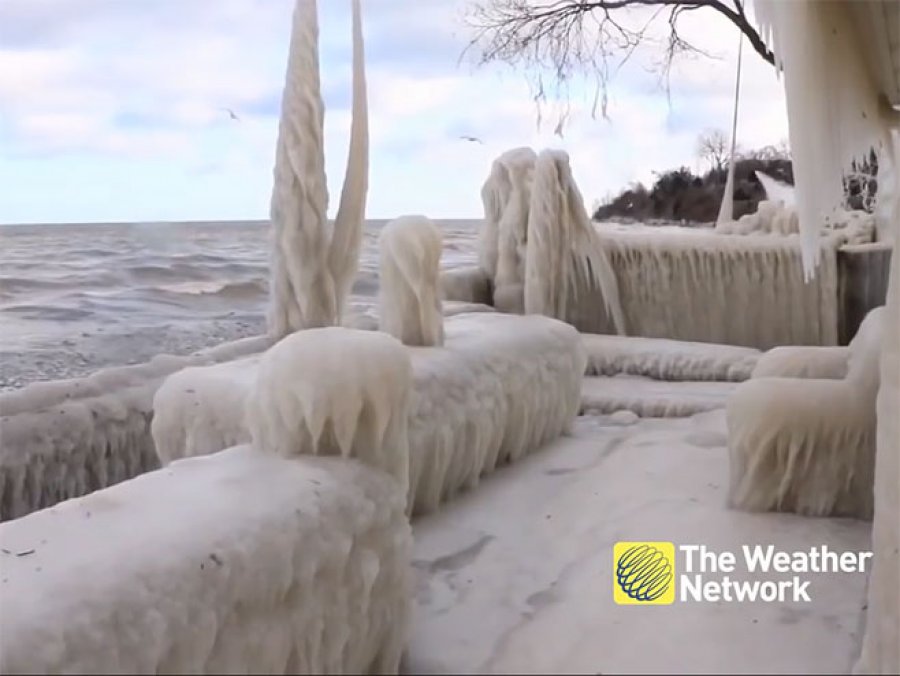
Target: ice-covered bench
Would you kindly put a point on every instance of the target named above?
(500, 387)
(807, 444)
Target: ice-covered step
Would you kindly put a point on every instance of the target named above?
(649, 398)
(665, 359)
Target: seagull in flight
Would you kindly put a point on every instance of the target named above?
(231, 114)
(472, 138)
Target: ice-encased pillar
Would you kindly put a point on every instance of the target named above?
(312, 264)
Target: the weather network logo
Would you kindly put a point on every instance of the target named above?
(644, 573)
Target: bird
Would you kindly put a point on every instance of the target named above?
(472, 138)
(231, 114)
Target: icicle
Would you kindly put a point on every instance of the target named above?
(726, 210)
(832, 103)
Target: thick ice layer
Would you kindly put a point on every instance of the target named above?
(650, 398)
(807, 445)
(66, 438)
(502, 239)
(881, 649)
(711, 288)
(241, 562)
(332, 391)
(664, 359)
(518, 577)
(500, 387)
(564, 251)
(409, 294)
(181, 421)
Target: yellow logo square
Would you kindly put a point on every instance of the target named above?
(644, 573)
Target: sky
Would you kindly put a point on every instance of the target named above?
(116, 110)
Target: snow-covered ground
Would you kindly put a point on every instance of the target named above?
(516, 576)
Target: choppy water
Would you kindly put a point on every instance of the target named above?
(97, 295)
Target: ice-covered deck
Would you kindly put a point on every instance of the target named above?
(516, 576)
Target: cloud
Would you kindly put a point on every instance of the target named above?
(116, 110)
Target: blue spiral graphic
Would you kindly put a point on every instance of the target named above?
(644, 573)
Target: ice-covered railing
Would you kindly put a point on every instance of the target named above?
(499, 388)
(62, 439)
(705, 287)
(307, 571)
(168, 573)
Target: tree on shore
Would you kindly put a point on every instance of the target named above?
(712, 147)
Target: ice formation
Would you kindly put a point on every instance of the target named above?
(564, 252)
(842, 81)
(843, 226)
(241, 562)
(470, 284)
(499, 388)
(504, 233)
(66, 438)
(796, 361)
(704, 287)
(181, 422)
(777, 191)
(881, 650)
(649, 398)
(334, 391)
(312, 264)
(807, 445)
(409, 298)
(663, 359)
(833, 103)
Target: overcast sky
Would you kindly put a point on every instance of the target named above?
(113, 110)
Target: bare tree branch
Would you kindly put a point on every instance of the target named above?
(567, 37)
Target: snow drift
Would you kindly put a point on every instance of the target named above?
(500, 387)
(807, 445)
(307, 572)
(409, 299)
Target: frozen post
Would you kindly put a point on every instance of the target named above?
(312, 265)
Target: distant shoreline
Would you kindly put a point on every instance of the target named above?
(231, 222)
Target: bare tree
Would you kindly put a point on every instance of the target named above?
(712, 147)
(568, 36)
